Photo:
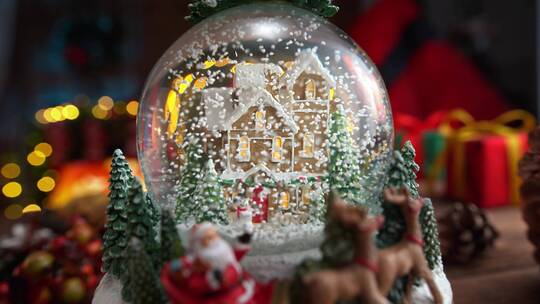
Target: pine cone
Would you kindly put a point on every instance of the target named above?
(465, 233)
(529, 170)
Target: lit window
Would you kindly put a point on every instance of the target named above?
(243, 149)
(284, 200)
(310, 90)
(277, 149)
(308, 145)
(260, 119)
(306, 195)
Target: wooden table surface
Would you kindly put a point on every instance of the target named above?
(505, 274)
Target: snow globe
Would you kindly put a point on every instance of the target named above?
(251, 116)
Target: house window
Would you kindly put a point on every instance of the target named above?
(310, 89)
(308, 145)
(243, 149)
(306, 195)
(277, 149)
(260, 120)
(284, 199)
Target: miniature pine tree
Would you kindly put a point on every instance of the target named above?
(430, 233)
(140, 213)
(191, 174)
(208, 199)
(143, 285)
(171, 245)
(344, 173)
(402, 173)
(115, 238)
(317, 206)
(404, 168)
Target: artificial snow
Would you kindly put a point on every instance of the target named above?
(109, 291)
(422, 295)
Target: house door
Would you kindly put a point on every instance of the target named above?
(260, 198)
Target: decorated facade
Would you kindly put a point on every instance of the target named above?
(270, 128)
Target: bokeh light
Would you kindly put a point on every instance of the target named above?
(99, 112)
(105, 103)
(44, 148)
(46, 184)
(11, 170)
(132, 107)
(70, 112)
(31, 208)
(12, 189)
(36, 158)
(13, 212)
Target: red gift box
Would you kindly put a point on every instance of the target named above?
(486, 174)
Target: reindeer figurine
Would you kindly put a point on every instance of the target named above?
(358, 279)
(407, 256)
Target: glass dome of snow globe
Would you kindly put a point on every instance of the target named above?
(253, 115)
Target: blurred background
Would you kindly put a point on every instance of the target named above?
(71, 73)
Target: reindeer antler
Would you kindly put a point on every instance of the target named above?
(395, 196)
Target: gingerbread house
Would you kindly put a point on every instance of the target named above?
(271, 126)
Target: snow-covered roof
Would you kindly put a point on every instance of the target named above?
(253, 75)
(218, 103)
(308, 62)
(253, 97)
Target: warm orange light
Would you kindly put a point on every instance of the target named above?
(56, 114)
(99, 112)
(13, 212)
(44, 148)
(70, 112)
(132, 108)
(46, 184)
(31, 208)
(40, 117)
(106, 103)
(12, 189)
(11, 170)
(36, 158)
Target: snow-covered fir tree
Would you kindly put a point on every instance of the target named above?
(402, 173)
(344, 173)
(115, 239)
(191, 174)
(171, 245)
(430, 233)
(141, 224)
(404, 169)
(144, 284)
(208, 200)
(317, 206)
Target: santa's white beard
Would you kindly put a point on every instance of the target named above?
(218, 254)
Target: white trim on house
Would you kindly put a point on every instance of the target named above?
(253, 97)
(308, 62)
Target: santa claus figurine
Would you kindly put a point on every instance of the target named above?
(211, 272)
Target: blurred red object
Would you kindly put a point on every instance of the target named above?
(423, 74)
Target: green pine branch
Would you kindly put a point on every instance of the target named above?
(201, 9)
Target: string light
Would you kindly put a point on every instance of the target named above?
(36, 158)
(56, 114)
(132, 107)
(106, 103)
(44, 148)
(13, 212)
(31, 208)
(46, 184)
(99, 112)
(70, 112)
(12, 189)
(11, 170)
